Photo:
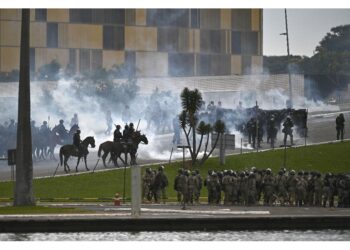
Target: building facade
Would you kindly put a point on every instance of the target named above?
(150, 42)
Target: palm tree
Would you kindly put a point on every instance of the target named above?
(219, 128)
(24, 162)
(191, 103)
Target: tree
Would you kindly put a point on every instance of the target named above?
(331, 60)
(219, 128)
(328, 68)
(280, 64)
(24, 162)
(191, 101)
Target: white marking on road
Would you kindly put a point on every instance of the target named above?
(51, 216)
(328, 114)
(215, 212)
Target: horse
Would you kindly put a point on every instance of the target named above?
(136, 139)
(116, 149)
(107, 147)
(71, 150)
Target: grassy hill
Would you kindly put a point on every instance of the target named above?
(324, 158)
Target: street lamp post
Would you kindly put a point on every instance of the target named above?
(290, 104)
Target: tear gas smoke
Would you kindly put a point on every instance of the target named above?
(155, 111)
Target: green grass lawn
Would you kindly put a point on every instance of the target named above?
(324, 158)
(38, 210)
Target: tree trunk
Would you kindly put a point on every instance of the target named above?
(194, 156)
(24, 162)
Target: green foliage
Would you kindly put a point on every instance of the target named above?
(329, 67)
(279, 64)
(191, 101)
(219, 127)
(337, 40)
(324, 158)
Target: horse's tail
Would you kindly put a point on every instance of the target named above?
(61, 156)
(99, 150)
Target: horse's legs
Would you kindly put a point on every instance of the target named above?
(104, 156)
(126, 159)
(76, 168)
(52, 153)
(85, 163)
(65, 164)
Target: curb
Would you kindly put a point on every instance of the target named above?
(115, 223)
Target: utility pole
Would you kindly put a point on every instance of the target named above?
(290, 104)
(24, 170)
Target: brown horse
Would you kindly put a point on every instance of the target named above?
(108, 147)
(116, 149)
(71, 150)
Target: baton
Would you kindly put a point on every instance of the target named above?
(96, 165)
(56, 170)
(138, 124)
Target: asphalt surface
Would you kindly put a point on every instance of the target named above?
(321, 128)
(100, 217)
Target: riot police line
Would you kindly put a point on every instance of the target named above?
(255, 123)
(251, 187)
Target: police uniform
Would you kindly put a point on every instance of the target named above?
(340, 126)
(287, 130)
(117, 135)
(77, 141)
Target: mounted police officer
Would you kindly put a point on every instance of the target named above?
(126, 133)
(35, 130)
(287, 130)
(117, 135)
(61, 131)
(131, 128)
(77, 141)
(44, 129)
(340, 126)
(11, 129)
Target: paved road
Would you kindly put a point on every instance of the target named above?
(102, 217)
(321, 129)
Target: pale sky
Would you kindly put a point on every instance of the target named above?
(306, 29)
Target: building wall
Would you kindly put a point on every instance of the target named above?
(152, 42)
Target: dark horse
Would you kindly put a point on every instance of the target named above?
(71, 150)
(116, 149)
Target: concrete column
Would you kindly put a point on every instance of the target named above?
(222, 149)
(135, 191)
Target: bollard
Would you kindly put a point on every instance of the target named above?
(116, 200)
